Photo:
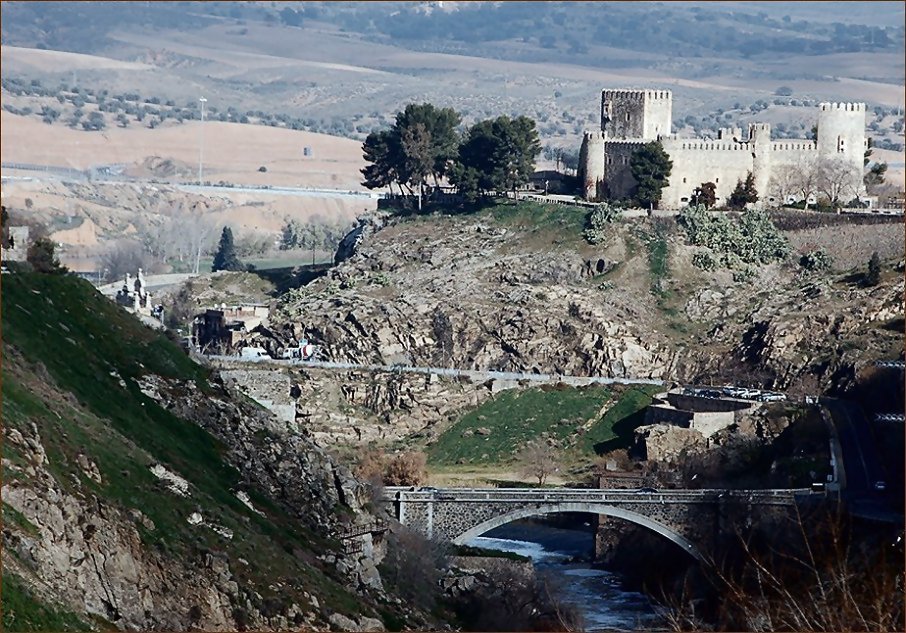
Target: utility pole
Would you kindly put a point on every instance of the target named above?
(202, 100)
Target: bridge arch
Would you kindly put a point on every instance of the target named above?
(591, 508)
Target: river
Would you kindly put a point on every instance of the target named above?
(597, 594)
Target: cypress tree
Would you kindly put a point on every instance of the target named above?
(225, 258)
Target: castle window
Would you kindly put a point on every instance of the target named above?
(627, 116)
(684, 181)
(684, 199)
(716, 180)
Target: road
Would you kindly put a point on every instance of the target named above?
(862, 463)
(474, 375)
(152, 282)
(58, 173)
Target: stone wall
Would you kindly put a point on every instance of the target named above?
(695, 162)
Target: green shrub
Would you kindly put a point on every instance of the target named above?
(704, 260)
(598, 221)
(816, 261)
(749, 240)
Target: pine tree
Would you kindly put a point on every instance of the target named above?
(226, 258)
(744, 193)
(650, 166)
(873, 278)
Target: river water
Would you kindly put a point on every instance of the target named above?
(564, 556)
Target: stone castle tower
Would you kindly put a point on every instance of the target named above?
(631, 118)
(626, 115)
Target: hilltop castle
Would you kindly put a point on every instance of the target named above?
(632, 118)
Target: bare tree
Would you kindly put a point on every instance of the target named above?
(821, 579)
(125, 256)
(539, 460)
(805, 178)
(406, 469)
(837, 181)
(783, 185)
(414, 566)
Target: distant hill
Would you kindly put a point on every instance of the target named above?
(548, 30)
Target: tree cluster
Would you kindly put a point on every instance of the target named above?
(744, 193)
(311, 235)
(424, 145)
(832, 181)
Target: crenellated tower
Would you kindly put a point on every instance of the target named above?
(636, 114)
(841, 136)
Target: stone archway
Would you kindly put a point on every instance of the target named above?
(591, 508)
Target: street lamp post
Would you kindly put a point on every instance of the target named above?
(202, 100)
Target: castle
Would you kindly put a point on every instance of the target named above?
(632, 118)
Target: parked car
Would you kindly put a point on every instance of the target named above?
(880, 485)
(646, 489)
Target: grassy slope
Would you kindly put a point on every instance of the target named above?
(86, 344)
(516, 417)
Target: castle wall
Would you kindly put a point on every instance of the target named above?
(618, 179)
(695, 162)
(630, 118)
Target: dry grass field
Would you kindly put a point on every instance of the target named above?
(233, 152)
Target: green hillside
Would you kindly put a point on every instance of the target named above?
(70, 362)
(586, 421)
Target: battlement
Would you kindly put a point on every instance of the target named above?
(593, 135)
(626, 142)
(794, 145)
(632, 94)
(845, 107)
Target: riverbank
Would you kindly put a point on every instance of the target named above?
(563, 563)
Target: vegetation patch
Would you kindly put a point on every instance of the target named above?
(614, 430)
(569, 417)
(22, 611)
(738, 243)
(93, 407)
(493, 432)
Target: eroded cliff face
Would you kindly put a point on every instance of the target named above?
(477, 293)
(458, 293)
(104, 559)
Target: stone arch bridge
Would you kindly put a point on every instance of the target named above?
(692, 519)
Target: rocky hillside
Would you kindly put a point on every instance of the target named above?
(139, 492)
(516, 288)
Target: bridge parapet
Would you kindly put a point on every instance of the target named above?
(687, 517)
